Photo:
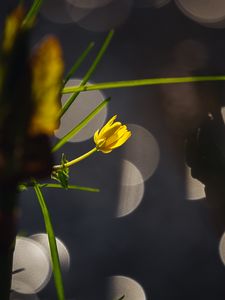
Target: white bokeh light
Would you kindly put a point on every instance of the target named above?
(81, 107)
(64, 256)
(30, 256)
(194, 188)
(223, 113)
(222, 248)
(142, 150)
(206, 12)
(107, 17)
(131, 189)
(57, 11)
(122, 285)
(76, 13)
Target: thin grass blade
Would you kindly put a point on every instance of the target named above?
(78, 63)
(52, 243)
(32, 13)
(78, 127)
(89, 72)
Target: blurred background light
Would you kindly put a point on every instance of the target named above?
(107, 17)
(76, 13)
(90, 3)
(223, 113)
(58, 11)
(190, 55)
(122, 285)
(63, 252)
(142, 150)
(31, 257)
(222, 248)
(206, 12)
(80, 108)
(131, 189)
(194, 188)
(151, 3)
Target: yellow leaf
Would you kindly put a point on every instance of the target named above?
(47, 70)
(12, 27)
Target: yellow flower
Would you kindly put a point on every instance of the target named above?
(111, 136)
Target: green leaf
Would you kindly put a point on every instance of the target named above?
(52, 243)
(140, 82)
(78, 127)
(78, 62)
(89, 72)
(62, 175)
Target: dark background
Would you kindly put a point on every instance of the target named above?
(168, 244)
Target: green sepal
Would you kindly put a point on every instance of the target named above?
(62, 175)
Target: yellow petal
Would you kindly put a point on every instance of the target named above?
(100, 143)
(117, 135)
(111, 121)
(121, 141)
(96, 136)
(106, 150)
(109, 131)
(108, 124)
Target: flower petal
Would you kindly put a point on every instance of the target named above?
(117, 135)
(111, 136)
(109, 123)
(121, 141)
(106, 150)
(96, 136)
(107, 132)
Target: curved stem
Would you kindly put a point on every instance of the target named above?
(76, 160)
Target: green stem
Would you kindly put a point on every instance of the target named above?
(78, 62)
(52, 243)
(76, 160)
(141, 82)
(72, 187)
(89, 72)
(59, 186)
